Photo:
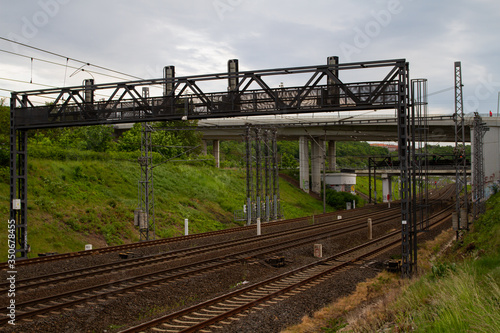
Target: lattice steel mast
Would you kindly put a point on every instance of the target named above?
(146, 219)
(420, 154)
(405, 153)
(461, 206)
(262, 181)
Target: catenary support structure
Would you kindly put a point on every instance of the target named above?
(250, 93)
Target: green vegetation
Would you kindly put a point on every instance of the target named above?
(461, 293)
(338, 200)
(350, 155)
(457, 290)
(83, 184)
(79, 201)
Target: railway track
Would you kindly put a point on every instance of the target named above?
(165, 241)
(325, 226)
(58, 301)
(211, 315)
(350, 224)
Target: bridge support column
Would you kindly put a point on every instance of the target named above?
(332, 155)
(386, 187)
(204, 147)
(216, 145)
(317, 155)
(491, 151)
(304, 163)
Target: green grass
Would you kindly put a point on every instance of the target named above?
(362, 186)
(73, 201)
(462, 292)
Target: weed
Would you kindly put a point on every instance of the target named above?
(442, 269)
(334, 325)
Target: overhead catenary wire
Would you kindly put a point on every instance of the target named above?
(72, 59)
(37, 84)
(28, 82)
(62, 65)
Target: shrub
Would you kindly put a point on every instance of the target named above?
(338, 200)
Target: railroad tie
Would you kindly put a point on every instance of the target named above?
(177, 327)
(190, 322)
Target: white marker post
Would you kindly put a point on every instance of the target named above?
(186, 227)
(370, 229)
(258, 226)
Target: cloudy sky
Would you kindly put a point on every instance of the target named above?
(199, 36)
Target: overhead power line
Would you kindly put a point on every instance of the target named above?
(21, 81)
(59, 64)
(69, 58)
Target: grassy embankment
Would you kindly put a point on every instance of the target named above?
(457, 290)
(90, 198)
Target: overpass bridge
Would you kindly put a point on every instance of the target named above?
(332, 126)
(321, 131)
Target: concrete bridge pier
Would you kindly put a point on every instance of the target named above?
(304, 163)
(216, 145)
(317, 162)
(386, 187)
(332, 155)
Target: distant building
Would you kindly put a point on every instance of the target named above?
(341, 182)
(391, 148)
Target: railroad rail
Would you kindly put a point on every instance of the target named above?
(164, 241)
(272, 244)
(162, 258)
(225, 255)
(209, 313)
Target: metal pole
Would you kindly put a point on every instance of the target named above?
(498, 102)
(324, 175)
(369, 180)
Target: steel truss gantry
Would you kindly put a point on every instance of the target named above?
(250, 93)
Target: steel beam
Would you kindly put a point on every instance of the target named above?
(19, 181)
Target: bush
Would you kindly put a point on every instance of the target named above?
(4, 156)
(338, 200)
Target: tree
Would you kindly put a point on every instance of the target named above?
(4, 134)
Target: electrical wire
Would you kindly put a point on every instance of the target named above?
(20, 81)
(59, 64)
(37, 84)
(72, 59)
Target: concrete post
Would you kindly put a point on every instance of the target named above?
(204, 147)
(249, 211)
(332, 155)
(216, 145)
(318, 250)
(370, 229)
(304, 163)
(258, 227)
(186, 227)
(317, 155)
(386, 187)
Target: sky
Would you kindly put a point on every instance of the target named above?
(139, 38)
